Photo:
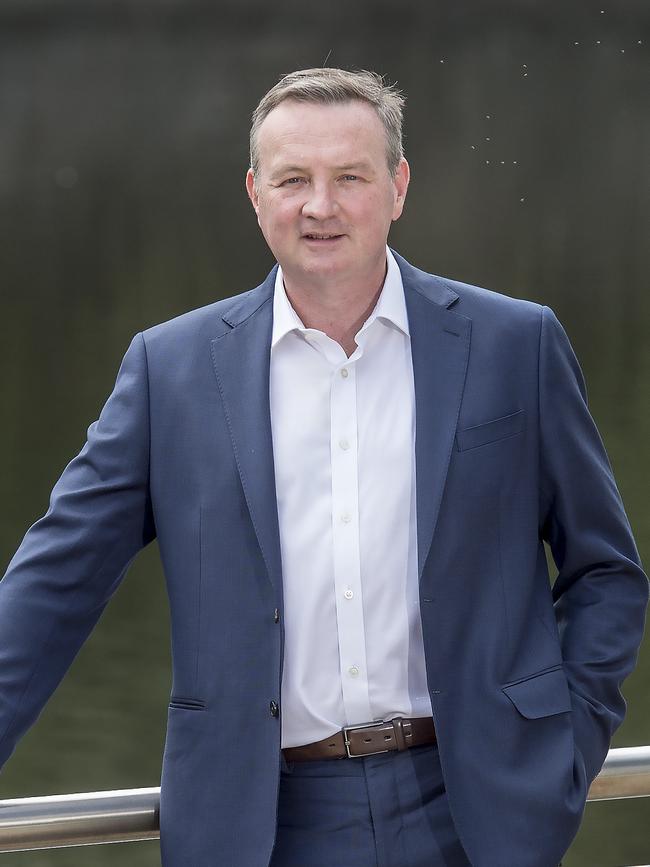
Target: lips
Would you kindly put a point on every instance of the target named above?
(321, 236)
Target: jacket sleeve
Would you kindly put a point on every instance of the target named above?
(601, 592)
(72, 559)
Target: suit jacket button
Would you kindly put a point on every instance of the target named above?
(274, 709)
(276, 616)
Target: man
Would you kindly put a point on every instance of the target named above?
(351, 471)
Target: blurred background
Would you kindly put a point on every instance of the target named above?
(123, 148)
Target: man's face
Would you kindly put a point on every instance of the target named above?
(324, 196)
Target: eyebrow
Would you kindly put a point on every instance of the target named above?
(362, 164)
(286, 170)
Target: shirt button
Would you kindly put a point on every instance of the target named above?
(345, 517)
(345, 445)
(345, 372)
(353, 671)
(276, 616)
(273, 707)
(348, 594)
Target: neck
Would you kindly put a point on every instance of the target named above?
(337, 310)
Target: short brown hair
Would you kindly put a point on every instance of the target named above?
(328, 86)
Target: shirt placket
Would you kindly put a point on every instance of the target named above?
(345, 532)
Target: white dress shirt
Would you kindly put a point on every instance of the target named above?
(344, 453)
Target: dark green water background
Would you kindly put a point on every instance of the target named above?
(123, 147)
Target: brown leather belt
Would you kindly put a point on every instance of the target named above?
(367, 739)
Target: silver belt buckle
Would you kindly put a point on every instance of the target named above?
(369, 725)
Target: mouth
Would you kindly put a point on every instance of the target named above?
(321, 237)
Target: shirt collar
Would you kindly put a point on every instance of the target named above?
(390, 306)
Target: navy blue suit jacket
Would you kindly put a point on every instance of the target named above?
(524, 679)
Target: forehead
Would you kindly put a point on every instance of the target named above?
(339, 132)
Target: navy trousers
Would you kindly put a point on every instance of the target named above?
(386, 810)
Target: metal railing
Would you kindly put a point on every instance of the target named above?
(625, 774)
(79, 820)
(133, 814)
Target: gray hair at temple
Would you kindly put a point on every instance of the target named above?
(327, 86)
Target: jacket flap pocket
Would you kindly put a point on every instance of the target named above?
(540, 695)
(490, 431)
(181, 703)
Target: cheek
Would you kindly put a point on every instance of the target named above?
(278, 216)
(377, 214)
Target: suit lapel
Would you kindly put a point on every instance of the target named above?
(241, 357)
(440, 340)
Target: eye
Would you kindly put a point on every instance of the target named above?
(291, 181)
(350, 177)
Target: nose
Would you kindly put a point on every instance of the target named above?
(320, 203)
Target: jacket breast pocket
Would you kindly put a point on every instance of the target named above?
(540, 695)
(491, 431)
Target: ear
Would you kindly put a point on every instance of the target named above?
(252, 192)
(401, 183)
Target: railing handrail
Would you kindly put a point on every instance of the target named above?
(625, 774)
(127, 815)
(84, 819)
